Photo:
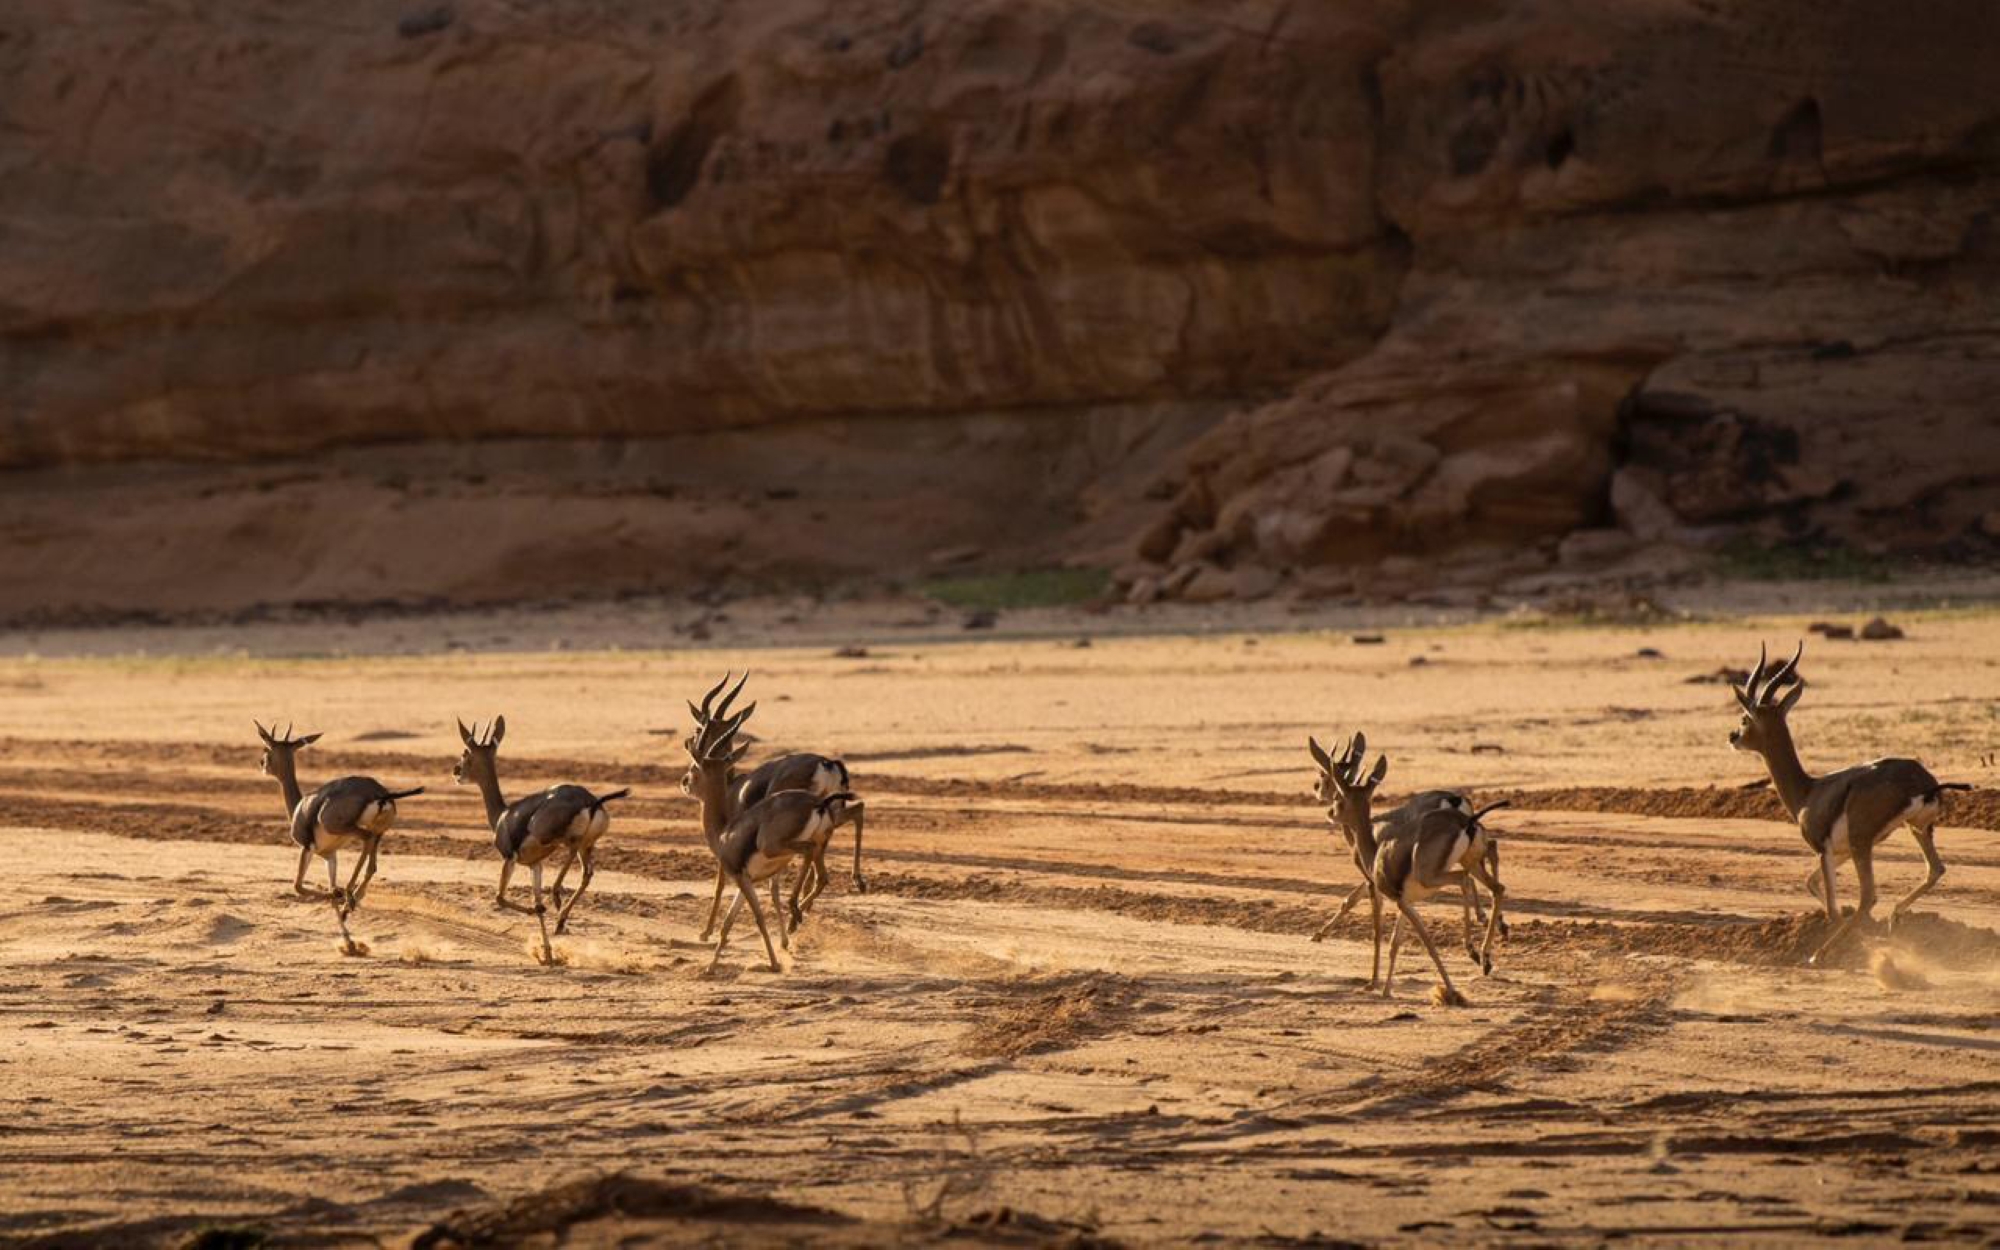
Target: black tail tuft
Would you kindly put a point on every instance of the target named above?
(394, 795)
(842, 766)
(1952, 785)
(612, 797)
(838, 796)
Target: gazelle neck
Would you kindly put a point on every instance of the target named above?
(712, 791)
(1788, 775)
(489, 789)
(288, 781)
(1362, 831)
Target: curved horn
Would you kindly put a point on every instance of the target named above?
(1784, 674)
(1756, 674)
(723, 708)
(708, 700)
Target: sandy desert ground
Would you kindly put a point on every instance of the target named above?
(1077, 999)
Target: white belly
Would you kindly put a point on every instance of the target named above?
(762, 867)
(1840, 841)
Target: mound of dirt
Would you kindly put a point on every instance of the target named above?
(620, 1209)
(1785, 942)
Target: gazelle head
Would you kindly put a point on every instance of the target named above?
(280, 750)
(1340, 782)
(479, 764)
(1764, 707)
(711, 748)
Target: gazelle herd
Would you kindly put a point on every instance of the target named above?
(784, 813)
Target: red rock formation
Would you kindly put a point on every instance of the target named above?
(1456, 263)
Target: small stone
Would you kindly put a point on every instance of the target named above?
(851, 653)
(1879, 630)
(1368, 640)
(1651, 653)
(1209, 585)
(984, 618)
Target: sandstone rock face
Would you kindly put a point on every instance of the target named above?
(1471, 275)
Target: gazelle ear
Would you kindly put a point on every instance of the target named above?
(1318, 754)
(264, 733)
(1742, 697)
(1381, 771)
(736, 756)
(499, 731)
(306, 741)
(1791, 696)
(464, 734)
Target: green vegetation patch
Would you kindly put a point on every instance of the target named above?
(1749, 560)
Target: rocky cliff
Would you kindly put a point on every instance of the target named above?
(1481, 286)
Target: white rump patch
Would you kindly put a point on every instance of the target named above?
(826, 780)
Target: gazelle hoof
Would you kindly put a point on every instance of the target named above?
(1446, 996)
(860, 886)
(353, 949)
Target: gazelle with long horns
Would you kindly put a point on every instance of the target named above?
(755, 845)
(1351, 811)
(345, 812)
(1841, 815)
(528, 831)
(816, 774)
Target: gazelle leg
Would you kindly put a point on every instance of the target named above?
(1347, 905)
(352, 894)
(1452, 998)
(374, 861)
(338, 898)
(1495, 924)
(1927, 843)
(722, 939)
(1813, 884)
(500, 895)
(1375, 920)
(299, 882)
(1492, 874)
(583, 883)
(541, 913)
(778, 907)
(715, 904)
(855, 812)
(1864, 872)
(757, 914)
(1395, 945)
(1469, 900)
(555, 890)
(793, 915)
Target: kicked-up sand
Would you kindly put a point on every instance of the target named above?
(1077, 999)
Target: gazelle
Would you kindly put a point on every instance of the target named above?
(1351, 812)
(1841, 815)
(816, 774)
(1445, 845)
(528, 831)
(754, 845)
(348, 811)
